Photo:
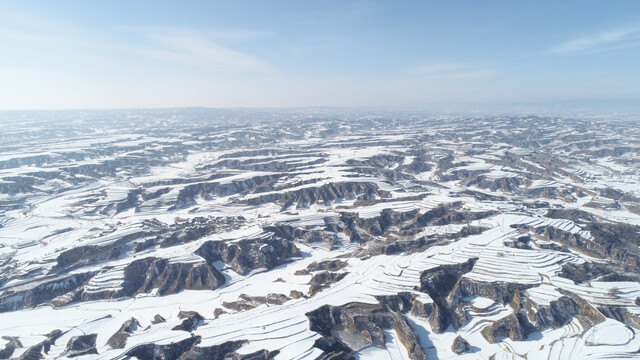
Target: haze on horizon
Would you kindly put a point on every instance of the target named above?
(120, 54)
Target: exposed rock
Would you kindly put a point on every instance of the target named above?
(30, 295)
(246, 255)
(144, 275)
(521, 242)
(158, 319)
(131, 201)
(484, 196)
(557, 314)
(13, 344)
(505, 184)
(407, 224)
(153, 234)
(154, 195)
(502, 292)
(295, 294)
(323, 280)
(258, 355)
(92, 254)
(334, 349)
(409, 246)
(327, 265)
(460, 345)
(507, 327)
(207, 190)
(359, 325)
(621, 314)
(402, 302)
(277, 299)
(189, 230)
(192, 320)
(617, 242)
(170, 278)
(583, 272)
(170, 351)
(119, 339)
(439, 283)
(246, 302)
(324, 194)
(187, 349)
(81, 345)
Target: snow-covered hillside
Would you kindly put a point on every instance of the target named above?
(298, 235)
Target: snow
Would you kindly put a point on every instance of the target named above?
(63, 215)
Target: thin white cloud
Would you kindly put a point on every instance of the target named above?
(453, 71)
(603, 41)
(196, 49)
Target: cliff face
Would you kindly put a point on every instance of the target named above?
(439, 283)
(324, 194)
(25, 297)
(355, 326)
(246, 255)
(189, 349)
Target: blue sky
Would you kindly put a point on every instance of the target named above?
(115, 54)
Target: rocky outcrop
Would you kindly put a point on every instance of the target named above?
(448, 289)
(119, 339)
(588, 315)
(170, 351)
(621, 314)
(333, 349)
(147, 274)
(131, 201)
(502, 292)
(93, 254)
(81, 345)
(324, 194)
(557, 314)
(301, 235)
(326, 265)
(323, 280)
(191, 321)
(520, 242)
(37, 351)
(13, 344)
(439, 283)
(360, 325)
(246, 255)
(187, 349)
(610, 240)
(405, 225)
(30, 295)
(460, 345)
(154, 233)
(207, 190)
(158, 319)
(246, 302)
(504, 184)
(185, 231)
(409, 246)
(402, 302)
(584, 272)
(147, 195)
(507, 327)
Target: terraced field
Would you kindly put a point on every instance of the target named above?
(313, 236)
